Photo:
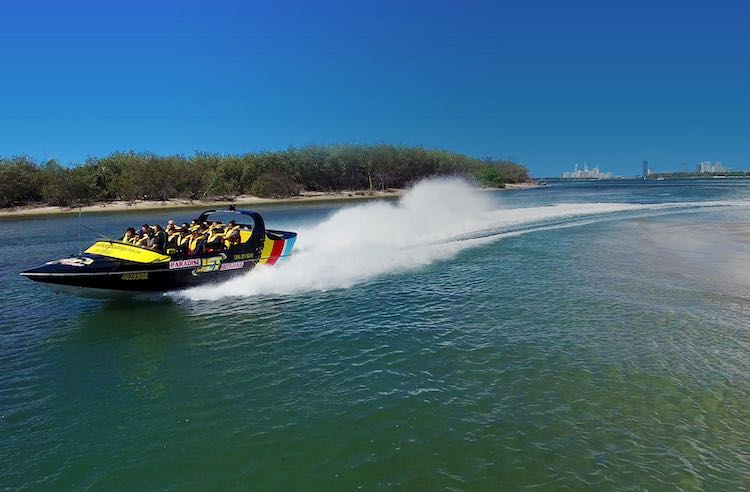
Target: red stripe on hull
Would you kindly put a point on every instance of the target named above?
(278, 247)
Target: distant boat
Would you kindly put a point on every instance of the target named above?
(659, 179)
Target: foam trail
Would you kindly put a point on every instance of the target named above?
(361, 242)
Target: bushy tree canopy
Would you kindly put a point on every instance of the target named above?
(132, 176)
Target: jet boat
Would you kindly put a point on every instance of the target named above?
(108, 266)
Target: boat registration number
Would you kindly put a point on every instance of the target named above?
(135, 276)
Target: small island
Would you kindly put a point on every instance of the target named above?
(130, 180)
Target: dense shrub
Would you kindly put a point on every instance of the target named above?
(273, 184)
(68, 187)
(490, 176)
(20, 181)
(132, 176)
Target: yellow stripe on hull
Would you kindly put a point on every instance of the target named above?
(266, 253)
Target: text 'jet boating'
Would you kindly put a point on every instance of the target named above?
(159, 260)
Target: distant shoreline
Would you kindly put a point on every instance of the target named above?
(652, 177)
(177, 203)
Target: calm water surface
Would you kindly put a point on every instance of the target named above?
(604, 353)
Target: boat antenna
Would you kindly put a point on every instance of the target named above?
(97, 232)
(81, 226)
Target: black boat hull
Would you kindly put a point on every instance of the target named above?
(140, 278)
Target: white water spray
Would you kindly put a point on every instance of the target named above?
(364, 241)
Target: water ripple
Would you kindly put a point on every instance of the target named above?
(564, 359)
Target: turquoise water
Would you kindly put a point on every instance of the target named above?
(458, 341)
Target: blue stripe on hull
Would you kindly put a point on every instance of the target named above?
(287, 252)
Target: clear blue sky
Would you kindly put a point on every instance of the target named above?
(547, 83)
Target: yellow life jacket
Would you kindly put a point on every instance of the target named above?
(228, 240)
(183, 240)
(175, 236)
(193, 243)
(126, 239)
(141, 241)
(214, 235)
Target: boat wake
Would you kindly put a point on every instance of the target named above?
(434, 221)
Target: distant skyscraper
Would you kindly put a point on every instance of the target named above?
(644, 168)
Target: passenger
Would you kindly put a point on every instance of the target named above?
(150, 242)
(129, 236)
(173, 236)
(145, 228)
(215, 241)
(232, 234)
(195, 244)
(183, 239)
(157, 239)
(195, 226)
(171, 223)
(140, 239)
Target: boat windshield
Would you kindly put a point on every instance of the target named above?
(244, 221)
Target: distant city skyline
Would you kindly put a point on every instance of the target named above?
(586, 173)
(545, 84)
(711, 167)
(646, 168)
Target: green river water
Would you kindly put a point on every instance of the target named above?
(579, 336)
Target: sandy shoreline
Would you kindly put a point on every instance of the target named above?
(137, 205)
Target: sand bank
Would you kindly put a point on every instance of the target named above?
(136, 205)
